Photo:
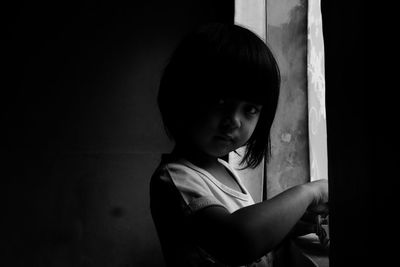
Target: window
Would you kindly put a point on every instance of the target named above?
(293, 29)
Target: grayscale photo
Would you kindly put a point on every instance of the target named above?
(191, 134)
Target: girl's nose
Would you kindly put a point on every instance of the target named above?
(231, 121)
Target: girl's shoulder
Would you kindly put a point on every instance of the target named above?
(181, 168)
(173, 167)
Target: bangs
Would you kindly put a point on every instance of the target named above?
(251, 86)
(238, 64)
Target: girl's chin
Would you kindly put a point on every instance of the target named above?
(221, 152)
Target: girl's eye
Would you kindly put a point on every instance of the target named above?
(252, 110)
(221, 102)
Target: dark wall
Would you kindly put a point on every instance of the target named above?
(81, 130)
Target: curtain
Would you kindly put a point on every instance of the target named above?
(316, 93)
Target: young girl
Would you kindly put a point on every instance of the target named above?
(219, 92)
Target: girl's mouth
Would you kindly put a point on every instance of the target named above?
(225, 138)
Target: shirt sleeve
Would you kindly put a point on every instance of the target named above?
(193, 189)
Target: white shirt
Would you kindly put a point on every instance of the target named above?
(200, 189)
(197, 189)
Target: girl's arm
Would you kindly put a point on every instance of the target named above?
(251, 232)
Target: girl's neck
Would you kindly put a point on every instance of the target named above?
(196, 157)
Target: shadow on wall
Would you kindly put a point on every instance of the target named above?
(83, 133)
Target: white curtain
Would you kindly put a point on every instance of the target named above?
(316, 93)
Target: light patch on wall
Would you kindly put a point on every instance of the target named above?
(287, 36)
(281, 14)
(251, 15)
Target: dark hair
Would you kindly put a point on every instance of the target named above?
(225, 60)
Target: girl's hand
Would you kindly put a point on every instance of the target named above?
(319, 190)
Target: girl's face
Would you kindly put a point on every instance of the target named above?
(223, 127)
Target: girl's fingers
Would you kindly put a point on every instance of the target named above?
(322, 209)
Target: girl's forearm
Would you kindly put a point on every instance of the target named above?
(264, 225)
(251, 232)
